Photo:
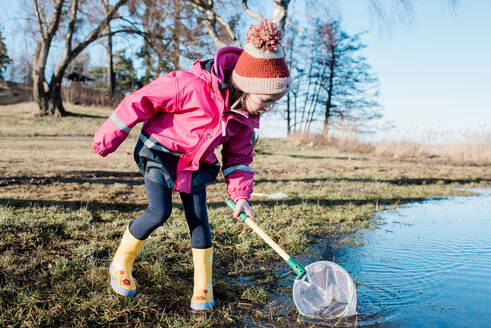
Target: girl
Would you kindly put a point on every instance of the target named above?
(186, 116)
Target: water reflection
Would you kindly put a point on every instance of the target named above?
(426, 265)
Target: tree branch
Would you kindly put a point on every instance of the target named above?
(211, 19)
(229, 30)
(280, 13)
(251, 13)
(54, 20)
(95, 33)
(129, 31)
(135, 27)
(71, 26)
(40, 22)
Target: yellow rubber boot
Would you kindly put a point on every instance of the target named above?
(203, 287)
(122, 281)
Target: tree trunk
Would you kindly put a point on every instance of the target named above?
(325, 130)
(303, 121)
(55, 103)
(295, 94)
(110, 69)
(40, 88)
(288, 117)
(330, 90)
(47, 96)
(38, 82)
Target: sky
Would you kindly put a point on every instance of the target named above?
(434, 71)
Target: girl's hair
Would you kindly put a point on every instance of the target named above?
(234, 93)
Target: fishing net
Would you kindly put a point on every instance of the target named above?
(326, 291)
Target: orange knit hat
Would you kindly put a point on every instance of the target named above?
(261, 68)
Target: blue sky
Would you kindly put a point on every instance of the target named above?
(435, 72)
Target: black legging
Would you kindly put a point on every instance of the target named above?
(160, 208)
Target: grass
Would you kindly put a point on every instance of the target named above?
(63, 210)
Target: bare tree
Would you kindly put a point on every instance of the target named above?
(344, 84)
(332, 82)
(48, 94)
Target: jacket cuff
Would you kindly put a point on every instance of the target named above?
(241, 194)
(99, 149)
(246, 198)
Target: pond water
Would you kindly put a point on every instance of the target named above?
(425, 265)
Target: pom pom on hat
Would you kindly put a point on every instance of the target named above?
(261, 68)
(265, 35)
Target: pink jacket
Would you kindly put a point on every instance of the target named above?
(188, 112)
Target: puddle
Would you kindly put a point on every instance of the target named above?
(425, 265)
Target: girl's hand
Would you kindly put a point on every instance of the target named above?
(242, 205)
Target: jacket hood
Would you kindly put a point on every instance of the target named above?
(223, 64)
(225, 60)
(220, 67)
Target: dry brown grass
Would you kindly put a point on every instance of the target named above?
(471, 149)
(478, 152)
(23, 119)
(342, 144)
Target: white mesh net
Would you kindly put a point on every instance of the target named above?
(326, 291)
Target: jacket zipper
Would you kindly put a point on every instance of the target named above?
(224, 129)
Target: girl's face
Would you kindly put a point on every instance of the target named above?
(257, 104)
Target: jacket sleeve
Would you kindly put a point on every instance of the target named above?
(237, 155)
(159, 95)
